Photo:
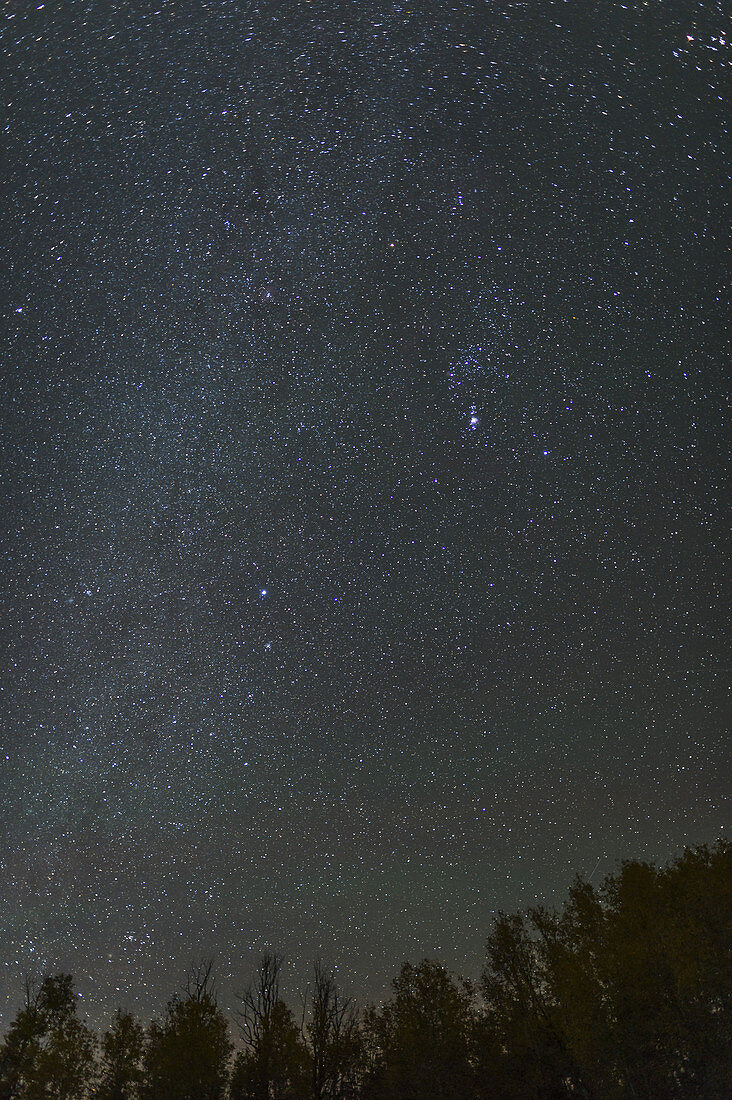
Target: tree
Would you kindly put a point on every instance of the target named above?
(418, 1044)
(187, 1053)
(334, 1040)
(655, 953)
(625, 993)
(121, 1069)
(48, 1053)
(622, 994)
(273, 1064)
(22, 1045)
(535, 1061)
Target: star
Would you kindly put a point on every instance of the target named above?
(316, 331)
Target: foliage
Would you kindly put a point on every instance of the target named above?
(121, 1063)
(48, 1053)
(623, 993)
(418, 1044)
(187, 1053)
(273, 1064)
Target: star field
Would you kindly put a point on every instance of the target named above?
(362, 474)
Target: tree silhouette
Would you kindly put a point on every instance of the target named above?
(22, 1045)
(418, 1044)
(273, 1064)
(121, 1063)
(48, 1053)
(334, 1039)
(187, 1053)
(625, 993)
(622, 994)
(520, 1014)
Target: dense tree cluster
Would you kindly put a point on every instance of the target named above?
(623, 993)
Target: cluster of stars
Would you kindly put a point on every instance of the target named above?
(362, 563)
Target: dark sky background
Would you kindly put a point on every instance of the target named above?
(362, 508)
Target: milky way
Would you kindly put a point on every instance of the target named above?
(361, 481)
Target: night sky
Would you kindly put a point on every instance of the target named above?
(362, 453)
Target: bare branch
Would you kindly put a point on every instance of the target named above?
(259, 999)
(200, 982)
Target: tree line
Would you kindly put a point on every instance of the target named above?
(623, 992)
